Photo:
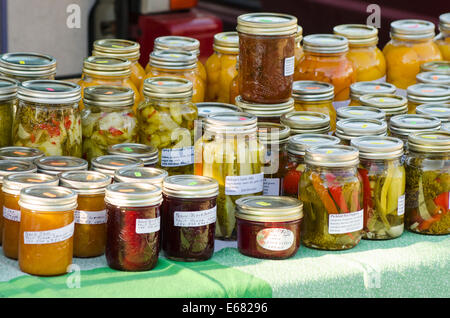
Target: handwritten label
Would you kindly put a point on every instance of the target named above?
(177, 157)
(195, 218)
(275, 239)
(345, 222)
(240, 185)
(145, 226)
(10, 214)
(271, 186)
(48, 237)
(90, 217)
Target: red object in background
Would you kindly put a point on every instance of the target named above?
(193, 23)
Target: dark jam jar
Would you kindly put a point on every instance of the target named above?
(268, 226)
(189, 217)
(133, 226)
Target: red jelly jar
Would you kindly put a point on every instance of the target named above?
(268, 226)
(133, 226)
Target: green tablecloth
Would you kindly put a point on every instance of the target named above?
(410, 266)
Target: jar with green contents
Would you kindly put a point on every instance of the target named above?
(146, 153)
(426, 93)
(443, 39)
(20, 153)
(8, 100)
(303, 122)
(266, 112)
(401, 126)
(55, 165)
(391, 104)
(351, 128)
(359, 89)
(360, 112)
(23, 66)
(438, 110)
(433, 78)
(442, 67)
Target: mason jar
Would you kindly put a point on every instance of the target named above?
(266, 112)
(426, 93)
(350, 128)
(442, 67)
(401, 126)
(20, 153)
(8, 105)
(208, 108)
(391, 104)
(438, 110)
(443, 39)
(148, 154)
(55, 165)
(433, 78)
(27, 66)
(150, 175)
(109, 164)
(360, 112)
(303, 122)
(298, 45)
(359, 89)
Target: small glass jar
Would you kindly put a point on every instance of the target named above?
(107, 119)
(442, 67)
(315, 96)
(363, 52)
(141, 174)
(433, 78)
(20, 153)
(303, 122)
(411, 44)
(295, 164)
(428, 183)
(389, 103)
(268, 226)
(266, 57)
(332, 196)
(325, 60)
(55, 165)
(108, 164)
(89, 238)
(12, 184)
(359, 89)
(383, 179)
(401, 126)
(298, 45)
(48, 118)
(27, 66)
(266, 112)
(8, 104)
(189, 217)
(351, 128)
(148, 154)
(438, 110)
(166, 121)
(443, 39)
(426, 93)
(208, 108)
(46, 230)
(360, 112)
(133, 228)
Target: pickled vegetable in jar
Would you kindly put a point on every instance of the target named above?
(268, 226)
(12, 184)
(383, 180)
(208, 108)
(360, 112)
(166, 121)
(359, 89)
(442, 40)
(133, 228)
(438, 110)
(351, 128)
(150, 175)
(389, 103)
(27, 66)
(433, 78)
(55, 165)
(367, 58)
(401, 126)
(148, 154)
(298, 45)
(325, 60)
(8, 102)
(266, 56)
(303, 122)
(332, 196)
(426, 93)
(428, 183)
(46, 230)
(442, 67)
(266, 112)
(48, 117)
(20, 153)
(108, 164)
(107, 119)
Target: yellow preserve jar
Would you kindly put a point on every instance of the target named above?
(24, 66)
(367, 58)
(391, 104)
(433, 78)
(438, 110)
(266, 112)
(359, 89)
(443, 39)
(304, 122)
(442, 67)
(426, 93)
(351, 128)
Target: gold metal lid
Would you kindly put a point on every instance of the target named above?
(299, 34)
(350, 128)
(108, 96)
(299, 143)
(148, 154)
(303, 122)
(30, 65)
(85, 182)
(378, 147)
(332, 156)
(20, 153)
(311, 91)
(57, 164)
(404, 125)
(263, 23)
(391, 104)
(429, 142)
(444, 22)
(357, 34)
(442, 67)
(108, 164)
(167, 87)
(141, 174)
(325, 43)
(269, 209)
(117, 48)
(272, 133)
(48, 199)
(428, 93)
(226, 42)
(362, 88)
(8, 88)
(133, 194)
(49, 92)
(106, 66)
(173, 60)
(15, 182)
(265, 110)
(360, 112)
(433, 78)
(207, 108)
(8, 167)
(177, 43)
(439, 110)
(190, 186)
(412, 29)
(231, 123)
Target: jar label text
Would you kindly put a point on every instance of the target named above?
(195, 218)
(240, 185)
(401, 205)
(289, 64)
(50, 236)
(145, 226)
(271, 186)
(177, 157)
(345, 222)
(10, 214)
(275, 239)
(90, 217)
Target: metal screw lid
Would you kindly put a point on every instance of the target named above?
(299, 143)
(325, 43)
(167, 87)
(85, 182)
(357, 34)
(48, 199)
(269, 209)
(133, 194)
(8, 88)
(190, 186)
(362, 88)
(404, 125)
(436, 66)
(226, 42)
(148, 154)
(30, 65)
(108, 96)
(412, 29)
(391, 104)
(302, 122)
(426, 93)
(433, 78)
(263, 23)
(361, 112)
(177, 43)
(272, 133)
(20, 153)
(207, 108)
(265, 110)
(15, 182)
(49, 92)
(231, 123)
(332, 156)
(8, 167)
(117, 48)
(378, 147)
(444, 22)
(350, 128)
(108, 164)
(141, 174)
(311, 91)
(440, 111)
(173, 60)
(58, 164)
(299, 34)
(106, 66)
(429, 142)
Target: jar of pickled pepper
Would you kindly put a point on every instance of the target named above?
(8, 104)
(12, 184)
(332, 196)
(46, 229)
(148, 154)
(438, 110)
(303, 122)
(359, 89)
(442, 67)
(55, 165)
(350, 128)
(20, 153)
(141, 174)
(133, 228)
(433, 78)
(360, 112)
(266, 56)
(108, 164)
(426, 93)
(389, 103)
(266, 112)
(443, 39)
(25, 66)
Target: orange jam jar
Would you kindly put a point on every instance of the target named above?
(426, 93)
(55, 165)
(12, 184)
(359, 89)
(360, 112)
(303, 122)
(27, 66)
(443, 39)
(46, 229)
(89, 238)
(150, 175)
(351, 128)
(20, 153)
(266, 112)
(433, 78)
(148, 154)
(389, 103)
(108, 164)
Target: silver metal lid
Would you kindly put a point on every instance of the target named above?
(412, 29)
(106, 66)
(177, 43)
(207, 108)
(231, 123)
(15, 182)
(429, 142)
(108, 164)
(442, 67)
(85, 182)
(272, 133)
(167, 87)
(360, 112)
(108, 96)
(49, 92)
(302, 122)
(299, 143)
(299, 34)
(48, 199)
(439, 110)
(358, 34)
(190, 186)
(58, 164)
(404, 125)
(325, 43)
(20, 153)
(30, 65)
(311, 91)
(355, 127)
(391, 104)
(378, 147)
(8, 167)
(444, 22)
(433, 78)
(269, 209)
(332, 156)
(362, 88)
(8, 88)
(226, 42)
(141, 174)
(133, 194)
(265, 110)
(117, 48)
(446, 126)
(428, 93)
(148, 154)
(173, 60)
(263, 23)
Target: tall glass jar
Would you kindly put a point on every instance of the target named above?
(426, 93)
(54, 165)
(443, 39)
(8, 104)
(48, 118)
(148, 154)
(325, 60)
(389, 103)
(107, 119)
(266, 112)
(360, 112)
(351, 128)
(428, 183)
(332, 196)
(401, 126)
(150, 175)
(25, 66)
(109, 164)
(438, 110)
(442, 67)
(20, 153)
(436, 78)
(266, 56)
(303, 122)
(359, 89)
(166, 121)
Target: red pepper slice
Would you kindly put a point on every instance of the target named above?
(367, 193)
(67, 122)
(115, 132)
(291, 181)
(425, 225)
(442, 201)
(336, 192)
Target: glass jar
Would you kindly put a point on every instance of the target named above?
(443, 39)
(221, 67)
(350, 128)
(433, 78)
(367, 58)
(298, 46)
(383, 179)
(208, 108)
(325, 60)
(360, 112)
(266, 112)
(133, 228)
(438, 110)
(48, 117)
(8, 103)
(141, 174)
(20, 153)
(442, 67)
(89, 238)
(426, 93)
(46, 230)
(295, 164)
(189, 217)
(411, 44)
(112, 71)
(268, 226)
(428, 183)
(148, 154)
(401, 126)
(332, 196)
(123, 49)
(55, 165)
(303, 122)
(359, 89)
(389, 103)
(315, 96)
(166, 121)
(107, 119)
(108, 164)
(27, 66)
(229, 151)
(266, 57)
(12, 184)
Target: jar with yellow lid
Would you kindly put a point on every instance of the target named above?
(303, 122)
(325, 60)
(107, 119)
(55, 165)
(438, 110)
(112, 71)
(89, 238)
(12, 184)
(391, 104)
(367, 58)
(148, 154)
(8, 104)
(401, 126)
(24, 66)
(443, 39)
(360, 112)
(266, 112)
(48, 118)
(109, 164)
(315, 96)
(410, 46)
(20, 153)
(442, 67)
(433, 78)
(221, 67)
(150, 175)
(351, 128)
(298, 45)
(46, 230)
(359, 89)
(426, 93)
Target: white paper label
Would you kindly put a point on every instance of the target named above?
(342, 103)
(90, 217)
(195, 218)
(271, 186)
(145, 226)
(239, 185)
(401, 92)
(275, 239)
(401, 205)
(10, 214)
(289, 64)
(342, 223)
(177, 157)
(48, 237)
